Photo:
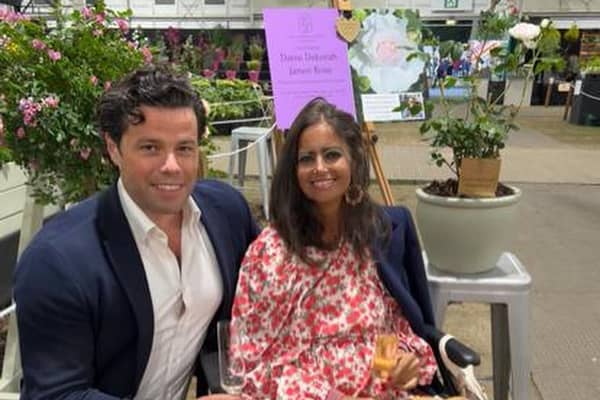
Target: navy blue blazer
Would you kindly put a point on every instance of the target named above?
(401, 268)
(84, 310)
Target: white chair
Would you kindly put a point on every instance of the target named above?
(506, 289)
(240, 138)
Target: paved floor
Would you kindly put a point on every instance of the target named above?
(557, 241)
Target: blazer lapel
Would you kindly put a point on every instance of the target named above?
(126, 263)
(391, 270)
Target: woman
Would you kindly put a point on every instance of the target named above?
(314, 289)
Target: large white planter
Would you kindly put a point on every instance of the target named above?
(466, 235)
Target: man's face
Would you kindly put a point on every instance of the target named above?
(158, 159)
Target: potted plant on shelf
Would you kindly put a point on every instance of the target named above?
(50, 79)
(253, 70)
(256, 48)
(467, 222)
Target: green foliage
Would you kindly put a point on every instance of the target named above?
(256, 48)
(219, 92)
(482, 130)
(253, 65)
(591, 65)
(572, 34)
(50, 80)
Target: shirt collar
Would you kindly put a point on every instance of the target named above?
(141, 225)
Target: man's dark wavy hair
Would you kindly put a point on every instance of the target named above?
(154, 86)
(294, 216)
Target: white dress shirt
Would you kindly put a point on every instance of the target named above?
(184, 298)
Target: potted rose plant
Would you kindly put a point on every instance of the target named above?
(50, 79)
(465, 225)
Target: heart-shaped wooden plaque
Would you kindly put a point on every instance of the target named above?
(347, 28)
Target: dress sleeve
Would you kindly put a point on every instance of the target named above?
(267, 295)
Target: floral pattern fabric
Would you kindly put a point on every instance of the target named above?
(308, 330)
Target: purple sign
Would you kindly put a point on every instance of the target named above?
(306, 59)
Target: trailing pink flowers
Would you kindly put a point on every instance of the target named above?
(62, 68)
(87, 13)
(50, 102)
(123, 25)
(12, 17)
(29, 109)
(38, 44)
(54, 55)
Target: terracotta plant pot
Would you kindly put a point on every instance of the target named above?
(208, 73)
(230, 74)
(253, 76)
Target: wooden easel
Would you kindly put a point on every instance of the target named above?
(368, 130)
(384, 186)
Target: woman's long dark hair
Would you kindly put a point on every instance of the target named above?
(294, 215)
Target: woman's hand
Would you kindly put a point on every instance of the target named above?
(406, 372)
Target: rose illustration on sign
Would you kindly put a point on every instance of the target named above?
(380, 54)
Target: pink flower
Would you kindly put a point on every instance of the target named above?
(100, 18)
(87, 12)
(107, 85)
(147, 54)
(54, 55)
(74, 142)
(20, 132)
(38, 44)
(29, 109)
(12, 17)
(123, 25)
(208, 73)
(51, 102)
(85, 153)
(94, 80)
(97, 32)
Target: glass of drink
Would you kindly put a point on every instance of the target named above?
(231, 364)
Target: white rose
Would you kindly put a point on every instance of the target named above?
(525, 32)
(380, 52)
(545, 23)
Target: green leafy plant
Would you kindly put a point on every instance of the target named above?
(253, 65)
(572, 34)
(50, 79)
(479, 128)
(256, 48)
(591, 65)
(228, 99)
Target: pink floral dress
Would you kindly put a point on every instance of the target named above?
(308, 331)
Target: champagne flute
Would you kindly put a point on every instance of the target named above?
(231, 364)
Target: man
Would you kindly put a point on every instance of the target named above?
(118, 296)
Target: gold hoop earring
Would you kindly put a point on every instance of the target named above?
(354, 195)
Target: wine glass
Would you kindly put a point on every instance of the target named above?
(231, 363)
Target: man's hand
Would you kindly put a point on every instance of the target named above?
(406, 372)
(219, 397)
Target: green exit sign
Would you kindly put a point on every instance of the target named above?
(450, 3)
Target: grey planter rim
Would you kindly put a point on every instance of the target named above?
(459, 202)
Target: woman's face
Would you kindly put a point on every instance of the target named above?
(323, 167)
